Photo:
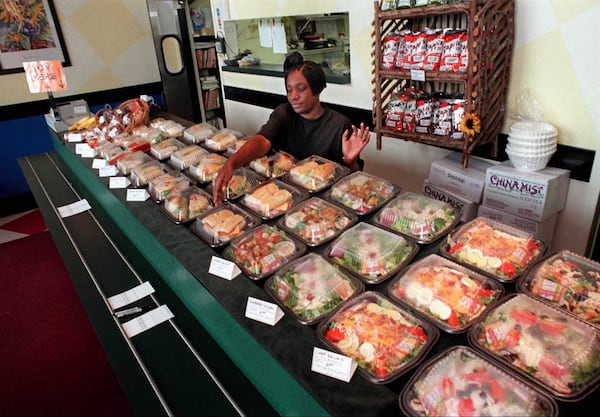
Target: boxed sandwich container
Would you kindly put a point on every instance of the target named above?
(468, 208)
(533, 195)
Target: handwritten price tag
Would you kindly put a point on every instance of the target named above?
(223, 268)
(333, 364)
(263, 311)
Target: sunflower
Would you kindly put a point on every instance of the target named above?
(470, 124)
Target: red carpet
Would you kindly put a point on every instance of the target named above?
(51, 361)
(28, 224)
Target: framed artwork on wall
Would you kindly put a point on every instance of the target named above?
(29, 31)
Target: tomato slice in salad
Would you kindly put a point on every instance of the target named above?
(335, 335)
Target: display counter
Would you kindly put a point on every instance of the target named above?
(257, 369)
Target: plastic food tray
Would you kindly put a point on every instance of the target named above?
(164, 149)
(462, 381)
(142, 174)
(206, 167)
(263, 250)
(496, 249)
(568, 281)
(547, 346)
(152, 134)
(315, 173)
(274, 165)
(383, 338)
(174, 181)
(310, 287)
(131, 160)
(370, 252)
(317, 221)
(363, 193)
(185, 205)
(235, 146)
(222, 139)
(272, 198)
(450, 295)
(187, 156)
(418, 217)
(198, 133)
(169, 128)
(220, 224)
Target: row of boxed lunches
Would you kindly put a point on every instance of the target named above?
(528, 200)
(373, 231)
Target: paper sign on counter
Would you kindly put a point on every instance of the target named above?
(147, 321)
(118, 182)
(74, 208)
(333, 364)
(131, 295)
(98, 163)
(74, 137)
(137, 194)
(263, 311)
(81, 148)
(108, 171)
(223, 268)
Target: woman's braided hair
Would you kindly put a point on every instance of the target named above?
(311, 70)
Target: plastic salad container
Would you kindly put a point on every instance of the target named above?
(544, 344)
(418, 217)
(198, 132)
(206, 167)
(370, 252)
(263, 250)
(568, 281)
(450, 295)
(317, 221)
(220, 224)
(164, 149)
(142, 174)
(187, 156)
(132, 160)
(273, 198)
(383, 338)
(310, 287)
(362, 192)
(242, 180)
(315, 173)
(274, 165)
(160, 187)
(185, 205)
(493, 248)
(462, 382)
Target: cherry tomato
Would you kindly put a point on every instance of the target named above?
(334, 335)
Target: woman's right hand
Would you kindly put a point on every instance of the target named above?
(221, 180)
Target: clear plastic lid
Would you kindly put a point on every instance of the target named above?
(274, 165)
(131, 160)
(370, 252)
(418, 217)
(171, 182)
(138, 145)
(317, 221)
(222, 139)
(272, 198)
(152, 134)
(169, 128)
(235, 146)
(198, 133)
(316, 173)
(493, 248)
(206, 167)
(384, 339)
(310, 287)
(569, 281)
(263, 250)
(462, 382)
(187, 156)
(542, 343)
(222, 223)
(123, 138)
(362, 192)
(110, 152)
(142, 174)
(185, 205)
(450, 295)
(164, 149)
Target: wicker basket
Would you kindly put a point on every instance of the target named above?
(138, 112)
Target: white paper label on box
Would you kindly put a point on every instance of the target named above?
(417, 75)
(333, 364)
(108, 171)
(263, 311)
(147, 321)
(131, 295)
(74, 137)
(223, 268)
(80, 110)
(74, 208)
(99, 163)
(82, 147)
(138, 194)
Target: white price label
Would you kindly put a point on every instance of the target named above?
(263, 311)
(333, 364)
(223, 268)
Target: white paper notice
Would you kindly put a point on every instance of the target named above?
(417, 75)
(74, 208)
(108, 171)
(118, 182)
(147, 321)
(137, 194)
(223, 268)
(264, 33)
(263, 311)
(333, 364)
(74, 137)
(129, 296)
(82, 147)
(88, 152)
(99, 163)
(278, 34)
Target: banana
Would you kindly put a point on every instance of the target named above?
(83, 123)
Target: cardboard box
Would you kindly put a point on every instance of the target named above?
(69, 113)
(449, 174)
(533, 195)
(542, 230)
(468, 208)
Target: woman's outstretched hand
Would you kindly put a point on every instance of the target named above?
(354, 142)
